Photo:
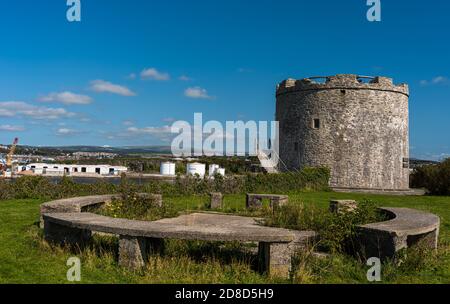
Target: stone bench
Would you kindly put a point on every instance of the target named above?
(406, 228)
(84, 203)
(138, 238)
(76, 204)
(255, 200)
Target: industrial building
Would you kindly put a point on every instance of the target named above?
(61, 169)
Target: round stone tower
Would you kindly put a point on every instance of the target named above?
(357, 126)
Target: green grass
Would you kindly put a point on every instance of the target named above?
(26, 258)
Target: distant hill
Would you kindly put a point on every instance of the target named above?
(118, 150)
(58, 150)
(414, 163)
(53, 151)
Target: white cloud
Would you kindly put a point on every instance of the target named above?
(197, 93)
(85, 119)
(150, 130)
(169, 119)
(66, 132)
(154, 74)
(127, 123)
(101, 86)
(132, 76)
(19, 108)
(10, 128)
(67, 98)
(184, 78)
(162, 133)
(6, 113)
(438, 80)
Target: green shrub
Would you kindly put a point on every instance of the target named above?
(41, 187)
(435, 178)
(337, 231)
(309, 178)
(132, 205)
(38, 187)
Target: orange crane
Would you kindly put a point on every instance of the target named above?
(9, 159)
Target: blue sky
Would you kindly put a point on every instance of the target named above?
(121, 75)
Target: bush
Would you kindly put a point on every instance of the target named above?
(33, 187)
(435, 178)
(38, 187)
(337, 231)
(133, 205)
(309, 178)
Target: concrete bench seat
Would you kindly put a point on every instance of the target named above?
(255, 200)
(76, 204)
(136, 238)
(83, 203)
(406, 228)
(196, 226)
(80, 204)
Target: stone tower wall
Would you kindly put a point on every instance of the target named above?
(356, 126)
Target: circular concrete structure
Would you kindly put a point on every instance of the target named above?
(356, 126)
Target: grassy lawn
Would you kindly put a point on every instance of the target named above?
(25, 258)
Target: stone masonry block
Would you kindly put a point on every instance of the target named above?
(132, 252)
(341, 206)
(216, 200)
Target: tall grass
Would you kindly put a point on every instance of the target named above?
(435, 178)
(337, 231)
(132, 205)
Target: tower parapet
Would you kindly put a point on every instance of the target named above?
(342, 81)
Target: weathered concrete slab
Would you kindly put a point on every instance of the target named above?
(196, 226)
(76, 204)
(82, 203)
(406, 228)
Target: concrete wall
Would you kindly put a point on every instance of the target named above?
(363, 133)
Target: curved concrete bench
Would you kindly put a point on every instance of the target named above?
(80, 204)
(84, 203)
(138, 238)
(406, 228)
(76, 204)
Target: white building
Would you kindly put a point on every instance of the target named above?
(79, 155)
(60, 169)
(168, 169)
(216, 169)
(196, 169)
